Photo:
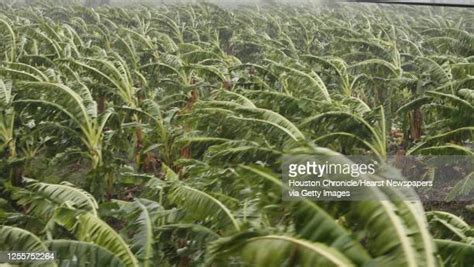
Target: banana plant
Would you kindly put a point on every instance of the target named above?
(7, 119)
(77, 106)
(371, 134)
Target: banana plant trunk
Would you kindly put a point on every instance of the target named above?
(416, 123)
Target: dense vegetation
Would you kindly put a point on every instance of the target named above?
(153, 136)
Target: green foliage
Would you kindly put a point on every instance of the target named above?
(173, 120)
(271, 250)
(89, 228)
(79, 253)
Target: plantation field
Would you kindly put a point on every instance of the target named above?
(154, 136)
